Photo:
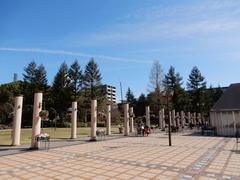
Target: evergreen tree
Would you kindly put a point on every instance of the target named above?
(196, 86)
(92, 78)
(30, 73)
(60, 90)
(173, 81)
(130, 98)
(75, 74)
(35, 79)
(141, 104)
(41, 78)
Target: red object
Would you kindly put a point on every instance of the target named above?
(146, 130)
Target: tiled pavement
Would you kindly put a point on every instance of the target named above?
(190, 157)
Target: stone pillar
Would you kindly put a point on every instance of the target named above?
(131, 119)
(173, 118)
(160, 118)
(163, 119)
(108, 119)
(74, 121)
(36, 124)
(93, 120)
(148, 116)
(170, 119)
(182, 118)
(126, 119)
(189, 117)
(177, 119)
(194, 118)
(17, 119)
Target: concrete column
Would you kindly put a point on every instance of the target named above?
(173, 118)
(36, 124)
(199, 118)
(177, 119)
(189, 117)
(17, 119)
(108, 119)
(163, 119)
(170, 118)
(74, 121)
(126, 119)
(160, 119)
(148, 116)
(182, 118)
(131, 119)
(93, 120)
(194, 118)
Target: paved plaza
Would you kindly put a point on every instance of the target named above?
(190, 157)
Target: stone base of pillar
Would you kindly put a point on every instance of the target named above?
(93, 139)
(33, 148)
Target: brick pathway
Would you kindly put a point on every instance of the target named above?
(190, 157)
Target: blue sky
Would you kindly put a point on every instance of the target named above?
(124, 37)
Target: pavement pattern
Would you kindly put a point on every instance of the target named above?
(190, 157)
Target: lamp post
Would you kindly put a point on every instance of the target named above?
(167, 94)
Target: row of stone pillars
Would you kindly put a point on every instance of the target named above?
(36, 122)
(177, 119)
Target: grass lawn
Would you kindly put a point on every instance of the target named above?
(26, 134)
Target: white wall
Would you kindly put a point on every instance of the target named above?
(225, 122)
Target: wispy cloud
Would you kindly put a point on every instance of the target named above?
(201, 19)
(79, 54)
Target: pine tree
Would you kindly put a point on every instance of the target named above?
(196, 80)
(173, 81)
(30, 73)
(41, 78)
(196, 86)
(75, 75)
(60, 90)
(92, 78)
(141, 104)
(130, 98)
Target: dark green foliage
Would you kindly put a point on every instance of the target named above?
(196, 86)
(61, 91)
(75, 75)
(70, 85)
(41, 78)
(196, 80)
(141, 104)
(92, 78)
(173, 81)
(130, 98)
(30, 73)
(7, 94)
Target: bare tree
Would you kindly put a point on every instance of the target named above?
(155, 86)
(156, 77)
